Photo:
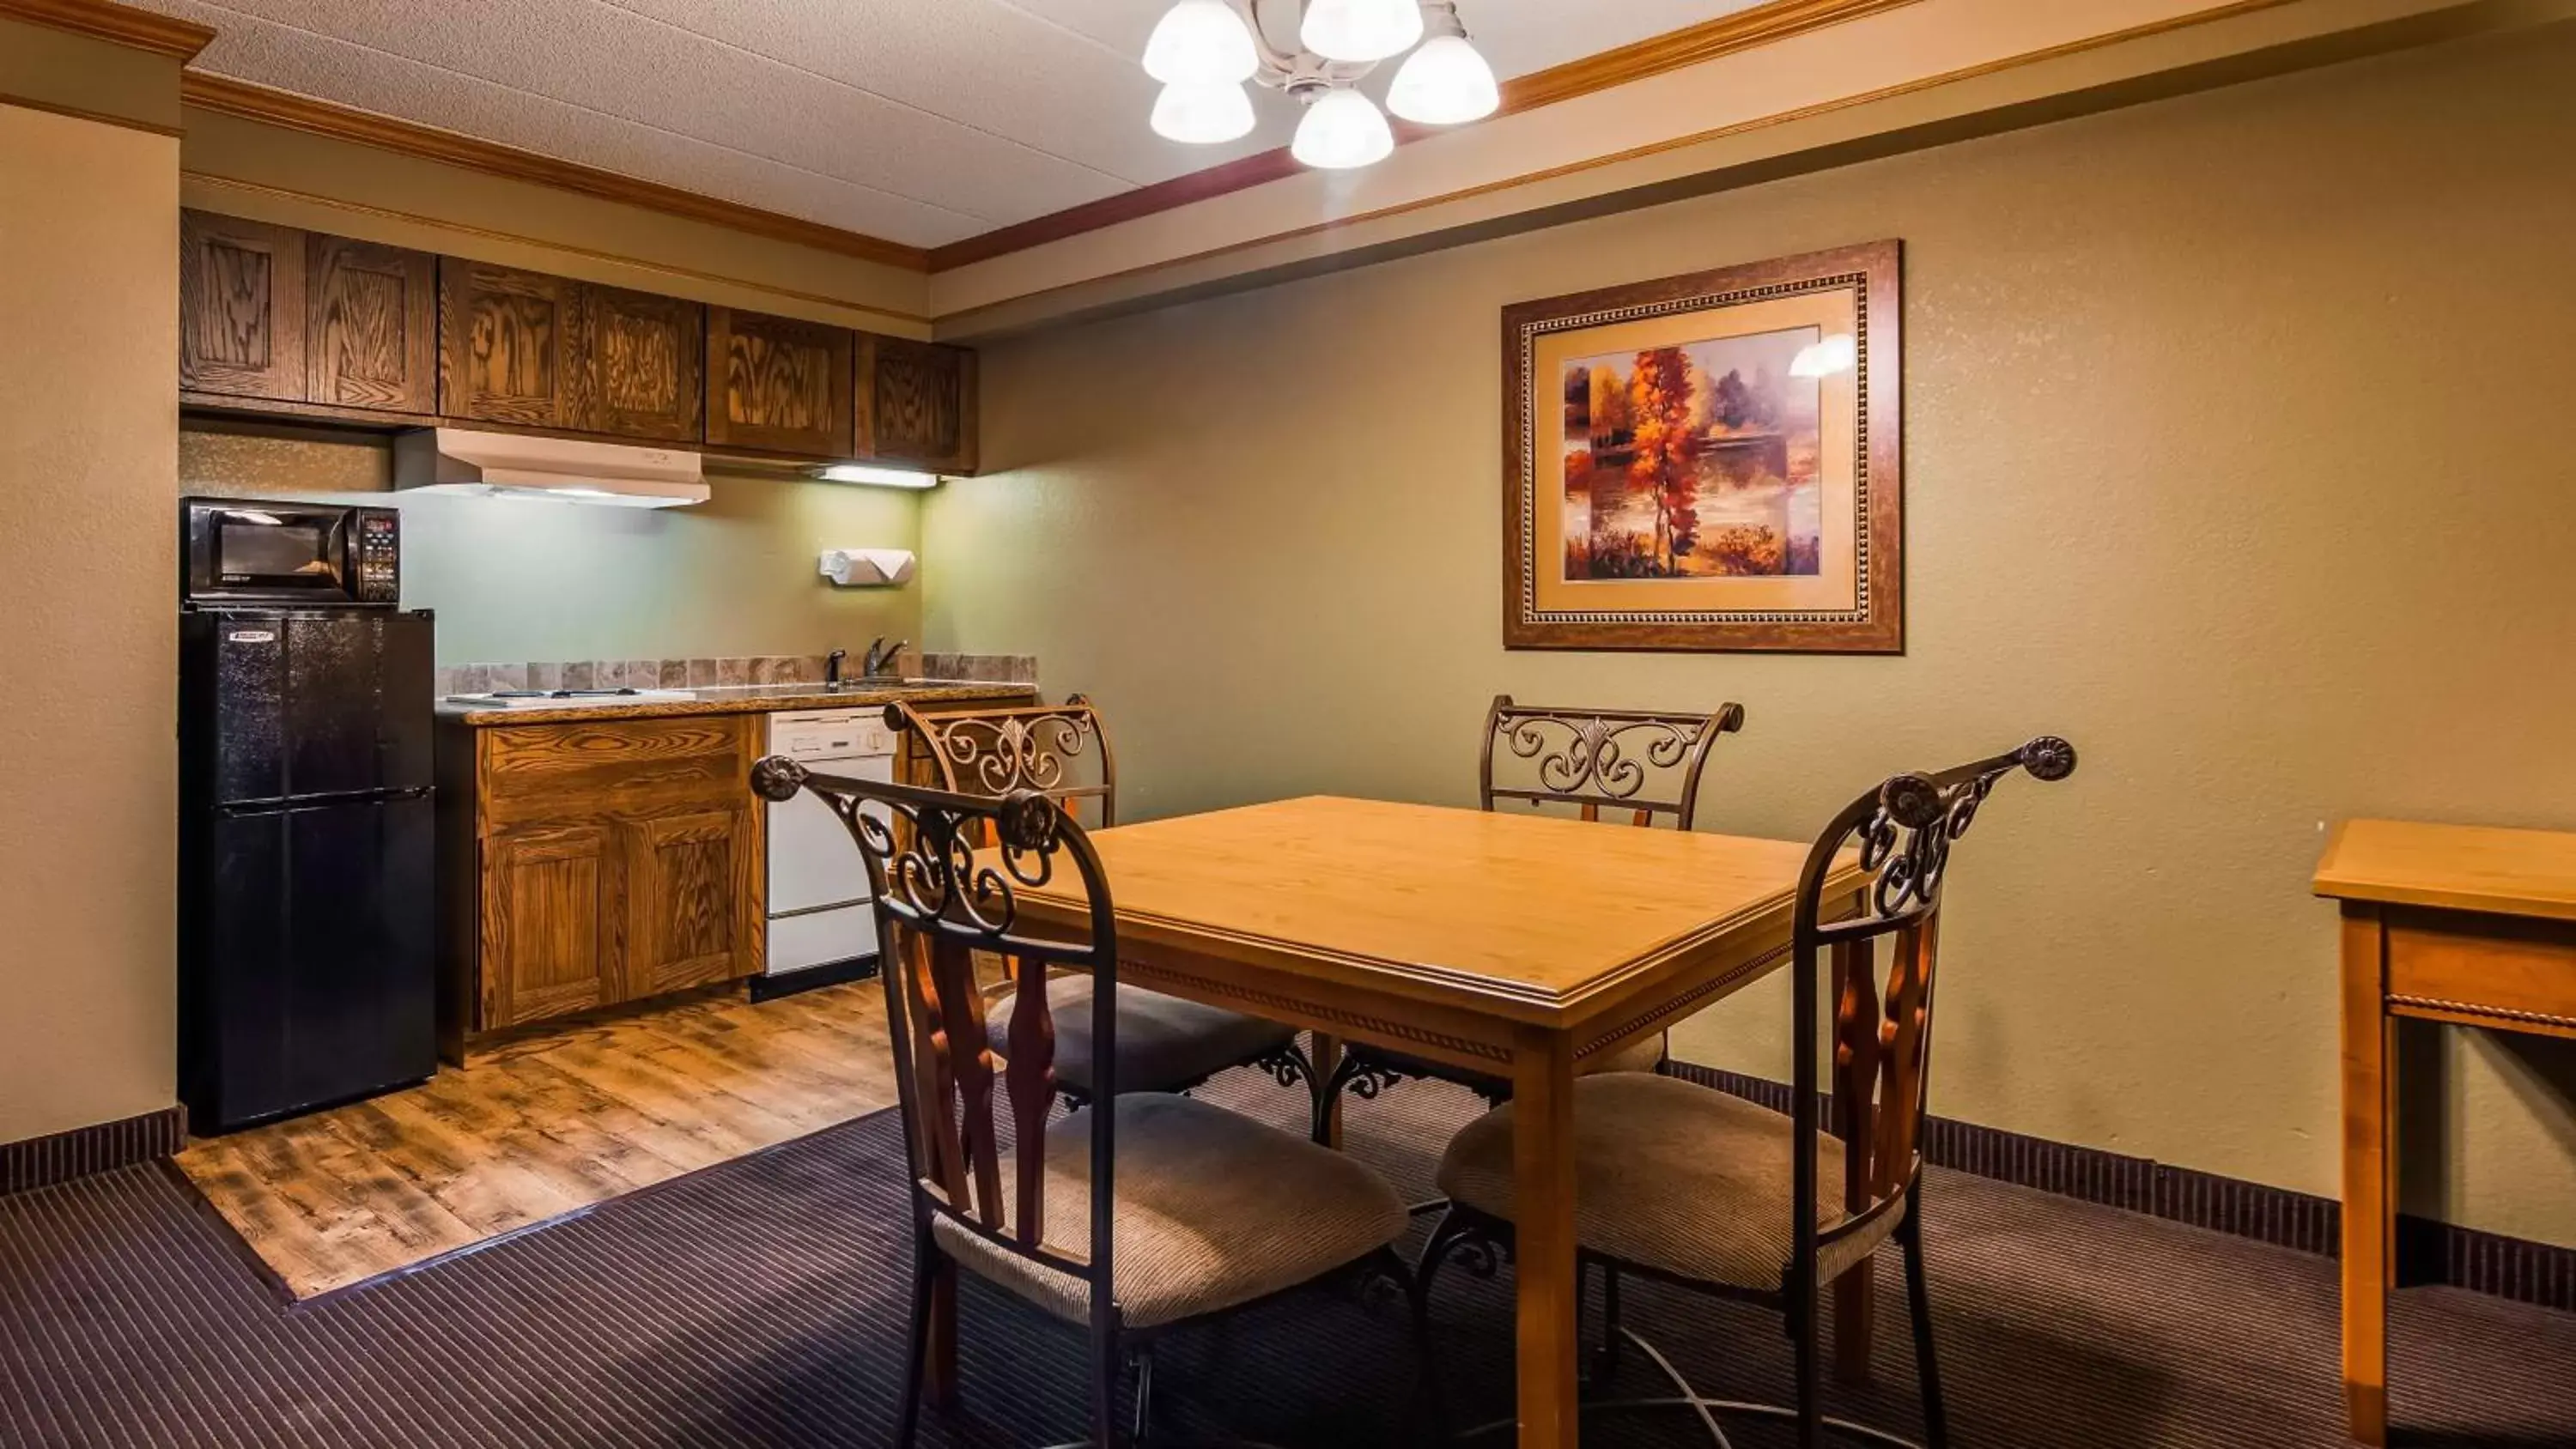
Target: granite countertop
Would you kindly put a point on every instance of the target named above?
(735, 699)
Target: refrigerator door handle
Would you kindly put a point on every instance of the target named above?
(318, 801)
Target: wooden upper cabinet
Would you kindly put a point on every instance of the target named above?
(779, 384)
(537, 351)
(502, 343)
(334, 328)
(916, 404)
(241, 307)
(371, 326)
(636, 360)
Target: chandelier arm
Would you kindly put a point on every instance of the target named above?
(1276, 65)
(1284, 70)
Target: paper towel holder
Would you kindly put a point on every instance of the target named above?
(867, 568)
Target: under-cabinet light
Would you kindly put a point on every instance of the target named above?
(876, 475)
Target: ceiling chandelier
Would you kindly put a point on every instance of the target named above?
(1204, 50)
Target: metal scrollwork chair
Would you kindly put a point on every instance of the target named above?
(1640, 763)
(1165, 1044)
(1689, 1185)
(1132, 1220)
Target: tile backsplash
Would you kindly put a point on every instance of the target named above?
(719, 673)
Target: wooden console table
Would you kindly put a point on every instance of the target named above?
(2453, 923)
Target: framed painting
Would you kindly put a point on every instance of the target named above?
(1709, 462)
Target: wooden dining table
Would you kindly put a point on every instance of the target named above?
(1515, 945)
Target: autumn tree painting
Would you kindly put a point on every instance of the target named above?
(1666, 458)
(1698, 460)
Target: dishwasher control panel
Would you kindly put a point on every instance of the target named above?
(830, 734)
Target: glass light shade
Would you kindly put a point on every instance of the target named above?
(1202, 114)
(1201, 42)
(1444, 83)
(1836, 353)
(1360, 29)
(1342, 129)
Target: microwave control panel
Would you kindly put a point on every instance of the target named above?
(379, 551)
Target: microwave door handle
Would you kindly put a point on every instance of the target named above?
(340, 551)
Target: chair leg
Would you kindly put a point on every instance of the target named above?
(1105, 1367)
(924, 1274)
(1918, 1301)
(1144, 1397)
(1608, 1363)
(1802, 1333)
(1446, 1234)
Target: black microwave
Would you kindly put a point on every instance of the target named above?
(238, 551)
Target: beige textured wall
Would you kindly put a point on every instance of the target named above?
(89, 218)
(2232, 455)
(514, 581)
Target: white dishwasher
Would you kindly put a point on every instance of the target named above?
(822, 927)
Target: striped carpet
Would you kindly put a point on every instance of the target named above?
(760, 1303)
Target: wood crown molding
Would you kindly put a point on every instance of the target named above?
(1690, 45)
(2224, 12)
(1653, 56)
(343, 123)
(123, 24)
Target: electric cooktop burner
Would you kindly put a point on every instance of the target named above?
(539, 698)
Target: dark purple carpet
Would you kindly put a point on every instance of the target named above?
(760, 1303)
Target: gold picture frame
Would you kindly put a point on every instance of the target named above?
(1710, 462)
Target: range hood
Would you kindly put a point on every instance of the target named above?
(506, 465)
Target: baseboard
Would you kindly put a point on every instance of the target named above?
(2428, 1252)
(63, 1156)
(830, 973)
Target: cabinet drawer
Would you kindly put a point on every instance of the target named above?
(615, 766)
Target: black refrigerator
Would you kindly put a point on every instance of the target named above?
(307, 918)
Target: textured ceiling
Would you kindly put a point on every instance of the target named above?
(921, 121)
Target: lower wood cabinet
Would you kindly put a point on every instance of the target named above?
(549, 900)
(594, 863)
(693, 899)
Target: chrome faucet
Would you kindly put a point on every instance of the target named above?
(880, 660)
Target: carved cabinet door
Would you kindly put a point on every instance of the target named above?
(241, 307)
(371, 326)
(916, 404)
(636, 364)
(549, 894)
(778, 383)
(693, 899)
(502, 344)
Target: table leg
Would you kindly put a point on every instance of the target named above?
(2368, 1079)
(1550, 1305)
(1327, 1061)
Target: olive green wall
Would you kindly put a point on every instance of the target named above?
(513, 581)
(2233, 454)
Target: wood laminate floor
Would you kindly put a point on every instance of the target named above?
(543, 1127)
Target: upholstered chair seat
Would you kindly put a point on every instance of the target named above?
(1674, 1177)
(1165, 1044)
(1211, 1210)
